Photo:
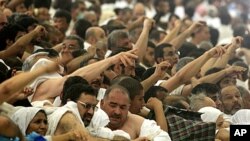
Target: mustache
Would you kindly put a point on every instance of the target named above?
(116, 116)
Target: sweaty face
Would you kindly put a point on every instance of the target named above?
(86, 105)
(231, 100)
(38, 124)
(116, 105)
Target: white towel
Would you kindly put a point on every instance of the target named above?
(241, 117)
(210, 114)
(23, 117)
(54, 118)
(153, 132)
(42, 78)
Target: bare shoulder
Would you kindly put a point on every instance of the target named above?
(135, 119)
(67, 123)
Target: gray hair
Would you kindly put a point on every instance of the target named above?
(197, 101)
(182, 62)
(115, 36)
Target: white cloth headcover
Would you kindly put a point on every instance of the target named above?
(23, 117)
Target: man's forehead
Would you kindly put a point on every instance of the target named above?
(230, 90)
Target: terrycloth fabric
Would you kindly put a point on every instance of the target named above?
(152, 131)
(181, 129)
(8, 110)
(210, 114)
(54, 118)
(42, 78)
(23, 117)
(241, 117)
(72, 106)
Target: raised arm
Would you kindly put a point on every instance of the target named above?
(21, 43)
(172, 34)
(160, 73)
(91, 71)
(181, 38)
(18, 82)
(216, 77)
(75, 63)
(231, 49)
(191, 69)
(141, 43)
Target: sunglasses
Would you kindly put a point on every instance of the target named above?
(88, 106)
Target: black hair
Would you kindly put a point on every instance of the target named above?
(159, 50)
(25, 21)
(63, 14)
(81, 27)
(9, 32)
(42, 3)
(152, 91)
(63, 4)
(69, 82)
(133, 86)
(74, 92)
(148, 73)
(207, 88)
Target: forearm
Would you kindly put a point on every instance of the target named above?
(14, 49)
(180, 39)
(149, 82)
(160, 118)
(171, 36)
(207, 66)
(187, 89)
(13, 3)
(141, 43)
(91, 71)
(213, 78)
(192, 68)
(186, 73)
(75, 63)
(17, 83)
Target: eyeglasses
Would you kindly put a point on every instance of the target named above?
(88, 106)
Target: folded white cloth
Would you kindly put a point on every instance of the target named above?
(241, 117)
(210, 114)
(42, 78)
(97, 126)
(153, 132)
(54, 118)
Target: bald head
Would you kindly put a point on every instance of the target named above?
(138, 11)
(94, 34)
